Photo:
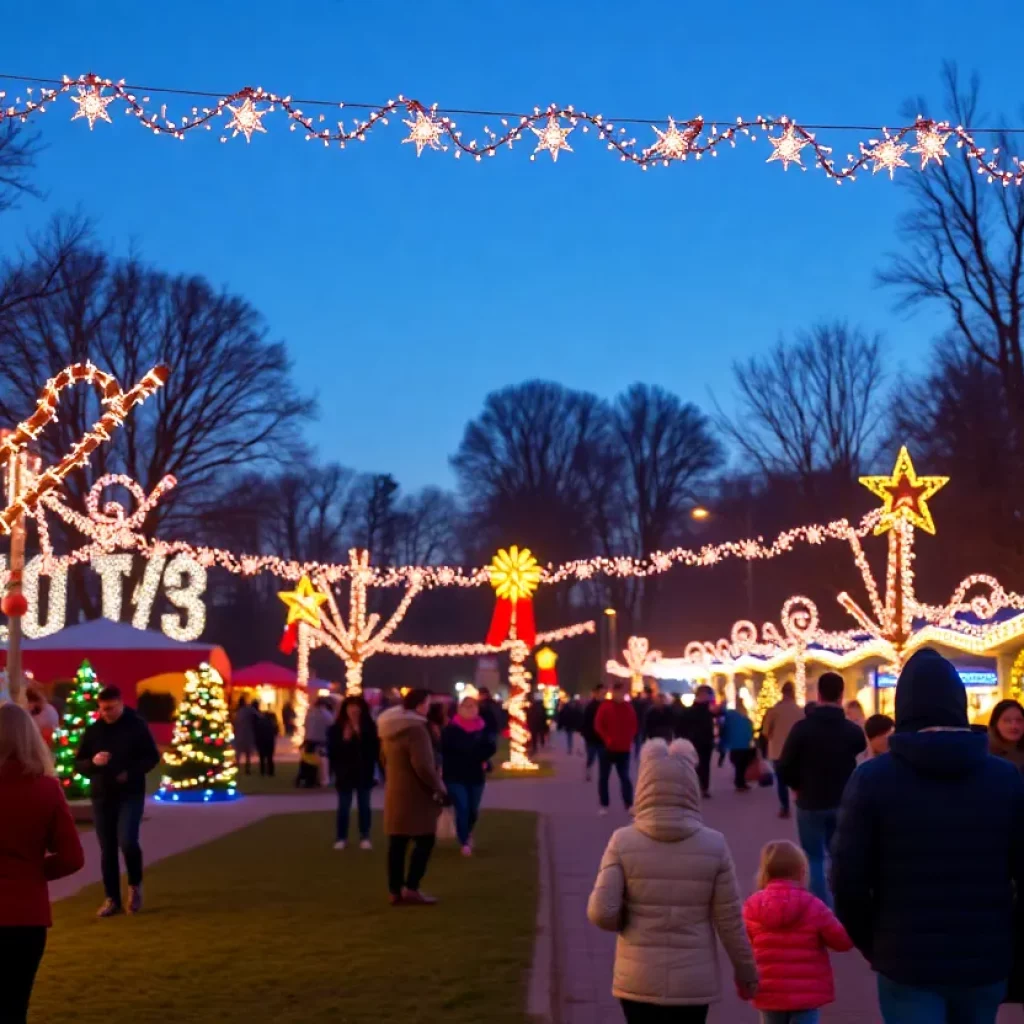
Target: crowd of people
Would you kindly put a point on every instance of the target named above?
(920, 819)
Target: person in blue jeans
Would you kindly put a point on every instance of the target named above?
(116, 753)
(818, 758)
(353, 748)
(466, 747)
(939, 938)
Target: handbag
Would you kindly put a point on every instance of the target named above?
(445, 831)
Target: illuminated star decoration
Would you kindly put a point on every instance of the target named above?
(931, 144)
(888, 155)
(303, 603)
(92, 105)
(672, 144)
(905, 494)
(552, 138)
(787, 147)
(424, 131)
(515, 574)
(246, 119)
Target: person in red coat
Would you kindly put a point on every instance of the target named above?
(616, 727)
(791, 931)
(38, 843)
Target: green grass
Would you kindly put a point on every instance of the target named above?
(271, 924)
(545, 770)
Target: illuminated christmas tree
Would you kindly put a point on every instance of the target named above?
(767, 696)
(80, 710)
(200, 766)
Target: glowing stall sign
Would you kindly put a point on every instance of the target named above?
(978, 679)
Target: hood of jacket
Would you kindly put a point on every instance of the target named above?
(667, 803)
(946, 754)
(780, 905)
(929, 694)
(397, 720)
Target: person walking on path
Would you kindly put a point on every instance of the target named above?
(778, 721)
(38, 844)
(244, 727)
(43, 713)
(928, 855)
(642, 706)
(818, 758)
(354, 750)
(265, 729)
(589, 733)
(1006, 732)
(466, 747)
(491, 713)
(667, 886)
(737, 739)
(616, 727)
(288, 719)
(791, 931)
(116, 754)
(877, 730)
(660, 724)
(413, 796)
(537, 723)
(697, 724)
(570, 721)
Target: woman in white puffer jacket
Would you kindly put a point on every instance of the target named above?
(666, 885)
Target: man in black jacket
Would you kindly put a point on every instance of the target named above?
(928, 855)
(590, 737)
(697, 724)
(116, 753)
(817, 761)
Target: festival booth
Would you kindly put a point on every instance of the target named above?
(135, 660)
(980, 629)
(270, 684)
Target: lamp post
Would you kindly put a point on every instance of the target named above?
(611, 617)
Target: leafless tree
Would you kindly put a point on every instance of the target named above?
(427, 529)
(811, 407)
(229, 403)
(19, 150)
(526, 466)
(965, 251)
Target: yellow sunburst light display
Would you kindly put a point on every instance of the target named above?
(515, 574)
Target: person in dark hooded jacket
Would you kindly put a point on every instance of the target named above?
(928, 852)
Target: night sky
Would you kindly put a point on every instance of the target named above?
(407, 289)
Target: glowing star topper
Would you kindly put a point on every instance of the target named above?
(425, 132)
(515, 574)
(787, 147)
(247, 118)
(888, 155)
(905, 494)
(303, 603)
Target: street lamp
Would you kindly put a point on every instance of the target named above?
(700, 513)
(612, 620)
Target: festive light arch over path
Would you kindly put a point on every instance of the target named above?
(548, 129)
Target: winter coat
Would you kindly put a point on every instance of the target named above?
(466, 746)
(536, 718)
(132, 751)
(819, 757)
(667, 885)
(930, 842)
(778, 723)
(245, 728)
(737, 732)
(616, 725)
(490, 712)
(660, 723)
(413, 790)
(697, 724)
(998, 747)
(266, 730)
(589, 717)
(570, 716)
(792, 931)
(38, 843)
(354, 757)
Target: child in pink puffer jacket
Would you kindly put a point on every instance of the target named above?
(791, 932)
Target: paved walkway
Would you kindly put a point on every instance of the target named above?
(574, 960)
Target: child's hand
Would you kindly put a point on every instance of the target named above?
(746, 990)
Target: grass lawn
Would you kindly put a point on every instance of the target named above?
(271, 924)
(545, 771)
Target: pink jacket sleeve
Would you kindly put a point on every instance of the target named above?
(833, 934)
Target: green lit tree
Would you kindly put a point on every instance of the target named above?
(200, 766)
(80, 710)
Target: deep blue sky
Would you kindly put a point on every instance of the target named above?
(407, 289)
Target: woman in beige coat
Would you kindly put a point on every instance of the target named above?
(667, 885)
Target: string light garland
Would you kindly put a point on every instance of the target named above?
(242, 113)
(551, 636)
(200, 766)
